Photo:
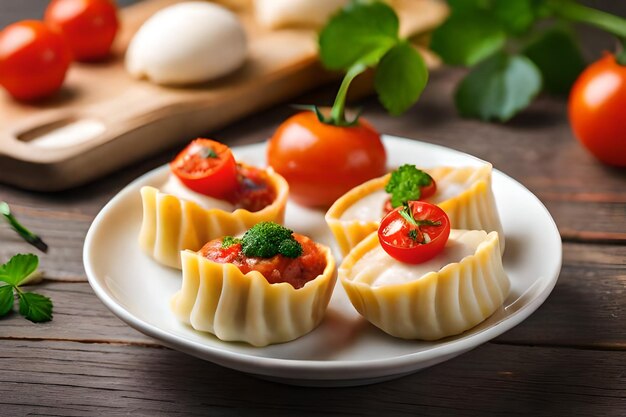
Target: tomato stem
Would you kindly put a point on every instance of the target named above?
(337, 113)
(573, 11)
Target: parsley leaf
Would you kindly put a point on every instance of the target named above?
(405, 184)
(360, 32)
(35, 307)
(18, 268)
(6, 299)
(400, 78)
(498, 87)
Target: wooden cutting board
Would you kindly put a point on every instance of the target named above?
(103, 119)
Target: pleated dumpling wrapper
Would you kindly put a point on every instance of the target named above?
(171, 223)
(464, 193)
(445, 296)
(220, 299)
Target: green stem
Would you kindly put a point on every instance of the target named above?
(338, 112)
(26, 234)
(578, 13)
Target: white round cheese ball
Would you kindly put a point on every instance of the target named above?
(187, 43)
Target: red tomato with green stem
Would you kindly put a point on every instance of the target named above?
(33, 60)
(322, 161)
(597, 109)
(207, 167)
(414, 233)
(90, 26)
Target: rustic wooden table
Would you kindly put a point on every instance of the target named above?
(569, 358)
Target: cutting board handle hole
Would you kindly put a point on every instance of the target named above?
(63, 133)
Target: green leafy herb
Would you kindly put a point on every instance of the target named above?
(496, 36)
(365, 35)
(413, 234)
(400, 78)
(268, 239)
(498, 88)
(229, 241)
(35, 307)
(26, 234)
(467, 38)
(557, 55)
(405, 184)
(207, 152)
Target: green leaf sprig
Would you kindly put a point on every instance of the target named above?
(405, 184)
(516, 49)
(34, 307)
(365, 35)
(265, 240)
(26, 234)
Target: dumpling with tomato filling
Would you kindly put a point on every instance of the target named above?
(464, 193)
(270, 286)
(425, 281)
(206, 195)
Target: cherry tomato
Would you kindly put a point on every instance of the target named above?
(597, 110)
(415, 239)
(90, 26)
(33, 60)
(321, 162)
(207, 167)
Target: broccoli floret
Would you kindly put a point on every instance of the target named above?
(229, 241)
(290, 248)
(265, 240)
(404, 184)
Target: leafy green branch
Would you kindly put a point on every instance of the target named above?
(516, 49)
(365, 35)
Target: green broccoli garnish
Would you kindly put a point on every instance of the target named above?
(404, 184)
(267, 239)
(229, 241)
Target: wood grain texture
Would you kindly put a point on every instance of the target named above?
(493, 380)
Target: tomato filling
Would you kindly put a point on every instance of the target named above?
(294, 271)
(255, 191)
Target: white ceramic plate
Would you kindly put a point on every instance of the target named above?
(345, 349)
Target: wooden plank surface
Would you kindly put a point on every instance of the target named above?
(493, 380)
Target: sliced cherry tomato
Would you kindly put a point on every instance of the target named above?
(414, 233)
(90, 26)
(207, 167)
(320, 161)
(597, 110)
(33, 60)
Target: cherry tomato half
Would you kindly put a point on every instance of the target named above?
(89, 26)
(417, 240)
(33, 60)
(207, 167)
(321, 162)
(597, 110)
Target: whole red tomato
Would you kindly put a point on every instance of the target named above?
(597, 110)
(90, 26)
(33, 60)
(320, 161)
